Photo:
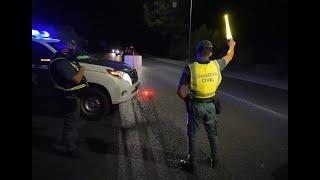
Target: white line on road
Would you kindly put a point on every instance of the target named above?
(123, 160)
(130, 142)
(134, 148)
(161, 169)
(280, 115)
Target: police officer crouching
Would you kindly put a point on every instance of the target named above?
(202, 78)
(68, 77)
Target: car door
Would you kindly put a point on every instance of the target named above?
(42, 84)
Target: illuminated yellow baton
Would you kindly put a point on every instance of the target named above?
(228, 31)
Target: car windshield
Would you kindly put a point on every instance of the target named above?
(81, 57)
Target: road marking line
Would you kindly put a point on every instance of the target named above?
(255, 105)
(123, 160)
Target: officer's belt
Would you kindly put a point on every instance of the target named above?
(203, 100)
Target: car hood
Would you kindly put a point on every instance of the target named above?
(120, 66)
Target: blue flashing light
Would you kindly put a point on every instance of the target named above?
(35, 33)
(44, 34)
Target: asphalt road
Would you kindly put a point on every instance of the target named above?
(143, 139)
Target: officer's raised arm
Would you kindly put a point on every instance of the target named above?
(230, 52)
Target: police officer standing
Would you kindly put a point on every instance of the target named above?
(202, 78)
(68, 77)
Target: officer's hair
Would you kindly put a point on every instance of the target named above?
(204, 51)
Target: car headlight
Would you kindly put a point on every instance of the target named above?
(117, 51)
(120, 75)
(113, 50)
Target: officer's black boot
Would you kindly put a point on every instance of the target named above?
(213, 163)
(187, 165)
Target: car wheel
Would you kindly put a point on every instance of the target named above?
(95, 103)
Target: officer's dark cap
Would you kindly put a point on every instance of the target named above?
(203, 44)
(63, 44)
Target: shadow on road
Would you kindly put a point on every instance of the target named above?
(99, 145)
(111, 136)
(281, 173)
(42, 142)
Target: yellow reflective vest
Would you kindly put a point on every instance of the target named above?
(204, 79)
(74, 88)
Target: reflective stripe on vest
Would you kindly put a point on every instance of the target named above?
(70, 89)
(80, 86)
(204, 79)
(74, 66)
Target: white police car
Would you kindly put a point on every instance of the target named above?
(110, 82)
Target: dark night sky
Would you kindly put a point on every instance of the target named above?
(94, 20)
(261, 23)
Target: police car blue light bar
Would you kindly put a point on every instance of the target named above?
(42, 34)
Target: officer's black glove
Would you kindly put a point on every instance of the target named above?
(186, 98)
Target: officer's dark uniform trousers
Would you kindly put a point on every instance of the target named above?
(202, 112)
(71, 120)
